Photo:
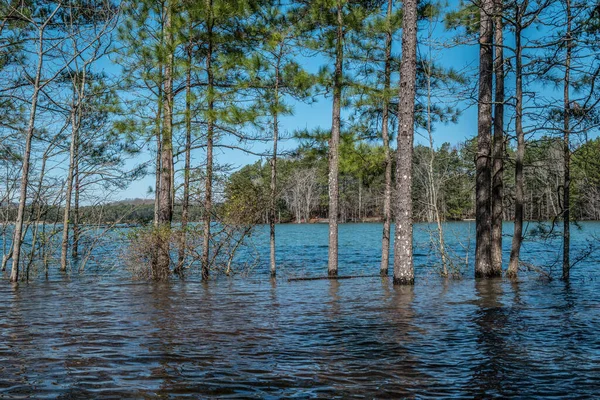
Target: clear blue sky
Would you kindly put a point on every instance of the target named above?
(463, 58)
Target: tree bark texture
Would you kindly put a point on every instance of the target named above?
(165, 211)
(403, 248)
(334, 143)
(498, 149)
(515, 251)
(387, 197)
(483, 175)
(209, 147)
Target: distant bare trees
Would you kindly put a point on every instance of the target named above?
(302, 193)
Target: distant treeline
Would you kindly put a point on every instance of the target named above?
(113, 213)
(303, 182)
(303, 187)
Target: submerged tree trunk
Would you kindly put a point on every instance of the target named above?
(165, 211)
(209, 147)
(498, 149)
(387, 196)
(566, 263)
(186, 170)
(483, 267)
(274, 172)
(75, 246)
(513, 266)
(18, 232)
(432, 184)
(403, 249)
(78, 92)
(158, 135)
(334, 146)
(68, 194)
(157, 168)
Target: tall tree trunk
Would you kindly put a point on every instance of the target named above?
(483, 267)
(186, 170)
(387, 196)
(158, 135)
(433, 189)
(513, 266)
(567, 152)
(18, 232)
(165, 213)
(432, 186)
(68, 194)
(274, 170)
(498, 149)
(403, 249)
(209, 147)
(334, 143)
(78, 93)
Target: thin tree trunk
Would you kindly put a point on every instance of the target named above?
(334, 146)
(186, 170)
(78, 92)
(69, 191)
(209, 147)
(498, 149)
(165, 213)
(403, 248)
(18, 233)
(441, 244)
(274, 171)
(75, 247)
(483, 178)
(432, 187)
(567, 153)
(513, 266)
(387, 196)
(38, 214)
(360, 200)
(157, 165)
(158, 127)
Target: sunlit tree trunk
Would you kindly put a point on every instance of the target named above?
(334, 146)
(403, 248)
(432, 185)
(37, 213)
(186, 170)
(79, 82)
(18, 232)
(273, 196)
(165, 210)
(209, 146)
(387, 196)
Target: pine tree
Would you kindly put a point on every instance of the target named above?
(276, 75)
(498, 140)
(403, 249)
(483, 266)
(329, 25)
(223, 37)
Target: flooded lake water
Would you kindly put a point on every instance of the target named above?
(104, 335)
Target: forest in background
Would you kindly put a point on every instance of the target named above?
(189, 80)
